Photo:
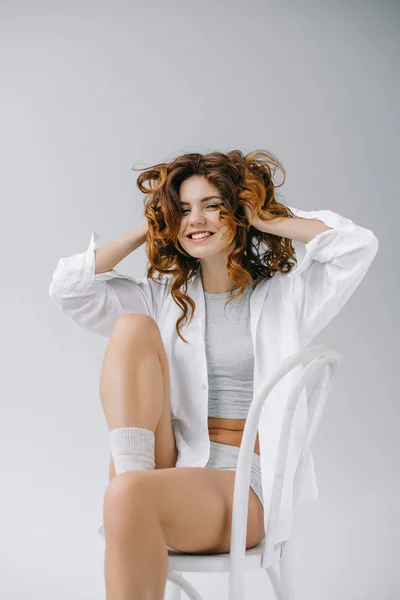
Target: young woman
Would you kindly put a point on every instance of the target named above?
(261, 280)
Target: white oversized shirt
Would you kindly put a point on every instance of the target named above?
(286, 312)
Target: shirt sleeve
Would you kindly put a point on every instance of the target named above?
(95, 301)
(329, 269)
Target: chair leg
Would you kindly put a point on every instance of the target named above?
(275, 583)
(181, 584)
(286, 571)
(175, 591)
(283, 585)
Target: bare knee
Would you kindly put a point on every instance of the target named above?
(141, 329)
(126, 484)
(135, 326)
(127, 497)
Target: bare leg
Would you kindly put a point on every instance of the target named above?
(136, 556)
(133, 386)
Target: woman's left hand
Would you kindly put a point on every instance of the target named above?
(265, 225)
(249, 216)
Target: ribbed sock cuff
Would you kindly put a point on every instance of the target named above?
(132, 440)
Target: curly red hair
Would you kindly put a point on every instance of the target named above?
(241, 180)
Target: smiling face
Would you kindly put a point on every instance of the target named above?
(200, 206)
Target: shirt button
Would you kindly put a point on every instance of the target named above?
(204, 386)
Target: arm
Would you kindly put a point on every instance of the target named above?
(109, 255)
(295, 228)
(333, 255)
(93, 297)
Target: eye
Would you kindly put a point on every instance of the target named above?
(186, 209)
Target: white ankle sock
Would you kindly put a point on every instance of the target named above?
(132, 449)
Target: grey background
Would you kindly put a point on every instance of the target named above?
(88, 91)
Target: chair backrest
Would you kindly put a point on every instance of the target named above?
(321, 360)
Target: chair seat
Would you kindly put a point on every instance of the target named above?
(207, 563)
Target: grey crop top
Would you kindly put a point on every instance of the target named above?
(230, 356)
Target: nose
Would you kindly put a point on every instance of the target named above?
(196, 218)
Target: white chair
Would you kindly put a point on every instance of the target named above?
(323, 361)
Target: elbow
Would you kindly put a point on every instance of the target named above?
(371, 248)
(55, 293)
(374, 244)
(55, 287)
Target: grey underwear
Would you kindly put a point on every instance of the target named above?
(225, 457)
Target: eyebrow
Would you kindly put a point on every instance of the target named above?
(202, 200)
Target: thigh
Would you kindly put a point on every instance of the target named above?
(194, 506)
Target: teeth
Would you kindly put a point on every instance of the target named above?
(200, 235)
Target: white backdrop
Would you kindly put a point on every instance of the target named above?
(88, 91)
